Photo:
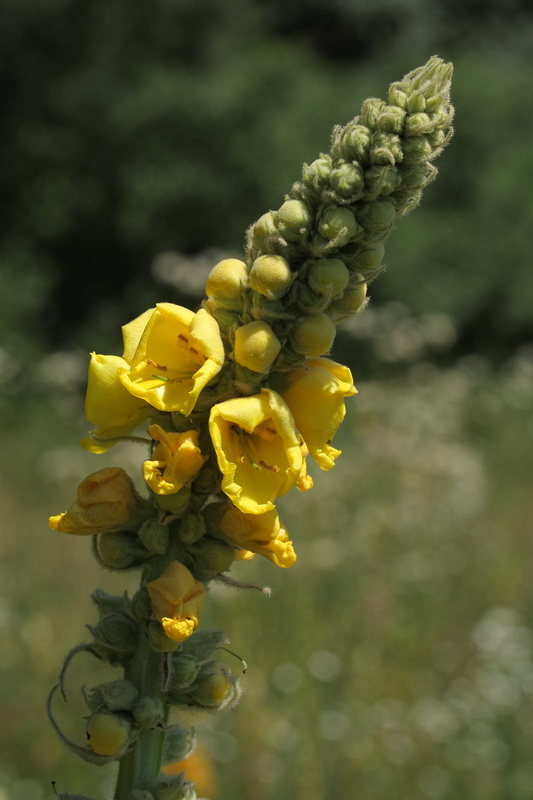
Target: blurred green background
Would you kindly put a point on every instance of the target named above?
(139, 141)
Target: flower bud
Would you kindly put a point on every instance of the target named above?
(293, 218)
(118, 695)
(226, 282)
(386, 149)
(354, 143)
(154, 536)
(316, 174)
(381, 180)
(119, 549)
(347, 180)
(367, 259)
(397, 96)
(417, 124)
(416, 102)
(391, 119)
(185, 668)
(179, 743)
(406, 201)
(192, 528)
(106, 499)
(313, 335)
(202, 644)
(338, 225)
(371, 110)
(174, 503)
(213, 557)
(216, 687)
(262, 232)
(416, 148)
(328, 276)
(109, 734)
(350, 303)
(116, 637)
(148, 712)
(377, 216)
(173, 788)
(256, 346)
(271, 276)
(158, 639)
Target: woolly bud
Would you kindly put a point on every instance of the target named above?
(262, 231)
(350, 303)
(271, 276)
(118, 549)
(337, 225)
(381, 180)
(313, 335)
(226, 281)
(328, 276)
(417, 124)
(386, 149)
(391, 119)
(148, 712)
(118, 695)
(347, 180)
(371, 110)
(416, 148)
(256, 346)
(316, 174)
(353, 143)
(293, 218)
(109, 734)
(378, 216)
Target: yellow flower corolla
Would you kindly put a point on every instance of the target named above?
(105, 501)
(177, 601)
(258, 533)
(178, 353)
(258, 449)
(108, 405)
(175, 461)
(316, 398)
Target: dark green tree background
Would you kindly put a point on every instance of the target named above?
(133, 128)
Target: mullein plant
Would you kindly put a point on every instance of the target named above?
(233, 399)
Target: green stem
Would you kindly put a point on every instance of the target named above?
(141, 766)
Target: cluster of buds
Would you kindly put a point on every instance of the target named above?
(234, 398)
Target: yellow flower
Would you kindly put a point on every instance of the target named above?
(316, 398)
(178, 353)
(258, 449)
(108, 405)
(177, 601)
(175, 461)
(108, 734)
(258, 533)
(106, 500)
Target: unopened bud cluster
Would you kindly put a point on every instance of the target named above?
(233, 399)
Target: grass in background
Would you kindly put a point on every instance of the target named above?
(395, 659)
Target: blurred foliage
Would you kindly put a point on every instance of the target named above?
(131, 129)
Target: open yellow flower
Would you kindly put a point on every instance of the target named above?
(258, 449)
(106, 499)
(108, 404)
(316, 398)
(178, 353)
(177, 601)
(258, 533)
(175, 461)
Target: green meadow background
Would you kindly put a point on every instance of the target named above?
(139, 140)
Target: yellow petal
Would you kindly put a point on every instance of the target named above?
(175, 461)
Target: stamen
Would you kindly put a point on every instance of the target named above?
(151, 363)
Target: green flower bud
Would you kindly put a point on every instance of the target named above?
(226, 318)
(192, 528)
(391, 119)
(397, 96)
(417, 124)
(293, 218)
(226, 282)
(436, 139)
(178, 744)
(381, 180)
(263, 308)
(328, 276)
(416, 102)
(215, 688)
(406, 201)
(416, 176)
(175, 788)
(416, 148)
(116, 636)
(212, 557)
(141, 605)
(185, 668)
(119, 549)
(354, 143)
(271, 276)
(377, 216)
(367, 259)
(109, 734)
(350, 303)
(337, 225)
(347, 180)
(316, 174)
(371, 110)
(313, 335)
(118, 695)
(256, 346)
(154, 536)
(148, 712)
(308, 300)
(386, 148)
(107, 603)
(174, 503)
(262, 232)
